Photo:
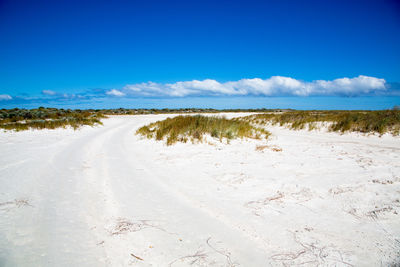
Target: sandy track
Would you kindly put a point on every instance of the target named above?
(104, 197)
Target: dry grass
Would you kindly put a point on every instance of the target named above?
(193, 128)
(311, 254)
(381, 121)
(261, 148)
(205, 257)
(17, 203)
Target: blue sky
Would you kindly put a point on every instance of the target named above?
(299, 54)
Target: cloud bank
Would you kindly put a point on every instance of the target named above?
(273, 86)
(5, 97)
(115, 92)
(49, 92)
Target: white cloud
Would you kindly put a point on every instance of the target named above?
(5, 97)
(195, 87)
(355, 86)
(115, 92)
(49, 92)
(273, 86)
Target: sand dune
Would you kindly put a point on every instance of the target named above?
(103, 196)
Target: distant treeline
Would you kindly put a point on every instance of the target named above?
(17, 114)
(120, 111)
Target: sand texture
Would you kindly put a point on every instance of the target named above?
(104, 196)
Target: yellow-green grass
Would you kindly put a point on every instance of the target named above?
(193, 128)
(381, 121)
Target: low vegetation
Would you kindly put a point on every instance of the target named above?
(381, 121)
(194, 128)
(125, 111)
(47, 118)
(51, 118)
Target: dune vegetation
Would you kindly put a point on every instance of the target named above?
(47, 118)
(381, 121)
(194, 128)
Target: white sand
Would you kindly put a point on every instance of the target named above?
(101, 196)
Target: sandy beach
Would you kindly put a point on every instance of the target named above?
(103, 196)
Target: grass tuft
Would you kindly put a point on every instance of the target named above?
(184, 128)
(380, 121)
